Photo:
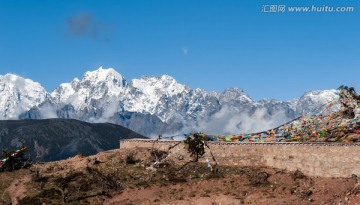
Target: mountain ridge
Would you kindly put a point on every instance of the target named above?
(55, 139)
(104, 95)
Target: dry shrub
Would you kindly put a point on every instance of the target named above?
(131, 158)
(297, 175)
(158, 155)
(108, 182)
(259, 179)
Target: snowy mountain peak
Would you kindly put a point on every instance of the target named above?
(19, 95)
(10, 76)
(76, 80)
(162, 78)
(104, 84)
(323, 94)
(234, 94)
(234, 90)
(150, 94)
(167, 78)
(313, 101)
(151, 105)
(158, 86)
(13, 79)
(104, 75)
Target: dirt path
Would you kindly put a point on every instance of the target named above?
(17, 189)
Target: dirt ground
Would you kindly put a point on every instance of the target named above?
(17, 188)
(133, 177)
(237, 189)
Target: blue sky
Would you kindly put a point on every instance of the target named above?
(228, 43)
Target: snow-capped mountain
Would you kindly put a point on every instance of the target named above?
(93, 97)
(18, 95)
(95, 85)
(314, 101)
(151, 95)
(152, 105)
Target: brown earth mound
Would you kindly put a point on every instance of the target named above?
(137, 176)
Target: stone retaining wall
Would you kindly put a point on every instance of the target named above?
(313, 159)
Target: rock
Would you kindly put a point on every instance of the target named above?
(306, 193)
(151, 169)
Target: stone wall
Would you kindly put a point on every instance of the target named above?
(313, 159)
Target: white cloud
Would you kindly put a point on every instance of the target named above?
(47, 112)
(226, 121)
(109, 110)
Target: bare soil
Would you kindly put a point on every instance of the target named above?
(17, 188)
(132, 176)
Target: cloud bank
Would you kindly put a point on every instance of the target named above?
(226, 121)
